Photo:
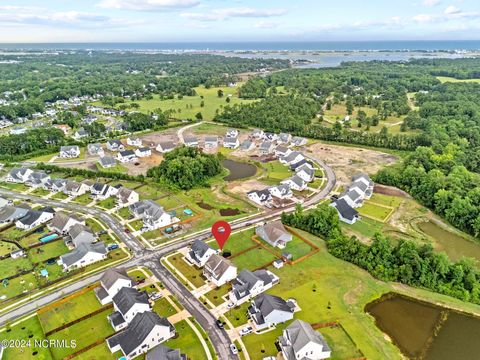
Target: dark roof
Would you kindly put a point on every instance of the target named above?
(81, 250)
(116, 318)
(199, 248)
(161, 352)
(110, 276)
(127, 153)
(345, 210)
(137, 331)
(267, 303)
(127, 297)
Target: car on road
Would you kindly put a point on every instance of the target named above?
(127, 231)
(220, 324)
(233, 349)
(246, 330)
(230, 305)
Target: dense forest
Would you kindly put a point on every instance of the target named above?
(185, 168)
(405, 262)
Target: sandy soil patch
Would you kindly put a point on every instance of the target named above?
(346, 161)
(245, 186)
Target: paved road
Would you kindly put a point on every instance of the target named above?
(152, 258)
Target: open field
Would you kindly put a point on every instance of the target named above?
(50, 250)
(187, 341)
(275, 172)
(375, 211)
(444, 79)
(193, 274)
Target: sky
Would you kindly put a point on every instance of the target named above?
(237, 20)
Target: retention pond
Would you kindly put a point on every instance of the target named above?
(238, 170)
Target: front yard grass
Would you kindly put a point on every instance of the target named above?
(40, 192)
(238, 315)
(163, 307)
(69, 311)
(194, 275)
(187, 341)
(342, 345)
(94, 225)
(253, 259)
(84, 199)
(124, 213)
(108, 203)
(59, 196)
(216, 295)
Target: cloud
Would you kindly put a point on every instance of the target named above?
(430, 3)
(452, 10)
(223, 14)
(147, 5)
(449, 14)
(266, 25)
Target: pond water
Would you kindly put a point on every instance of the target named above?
(238, 170)
(452, 244)
(412, 325)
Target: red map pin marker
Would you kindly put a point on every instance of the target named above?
(221, 231)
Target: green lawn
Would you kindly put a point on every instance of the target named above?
(9, 266)
(50, 250)
(276, 171)
(150, 192)
(43, 158)
(59, 196)
(14, 186)
(108, 203)
(342, 345)
(117, 169)
(29, 329)
(260, 346)
(84, 199)
(238, 315)
(253, 259)
(209, 129)
(187, 341)
(237, 242)
(444, 79)
(375, 211)
(94, 225)
(69, 311)
(194, 275)
(297, 247)
(33, 238)
(7, 248)
(393, 201)
(365, 227)
(216, 295)
(18, 285)
(84, 333)
(163, 307)
(99, 352)
(136, 224)
(13, 233)
(40, 192)
(124, 213)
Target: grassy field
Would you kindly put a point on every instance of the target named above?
(16, 286)
(253, 259)
(69, 311)
(343, 346)
(108, 203)
(187, 341)
(377, 212)
(189, 106)
(236, 242)
(444, 79)
(215, 295)
(163, 308)
(275, 172)
(193, 274)
(59, 196)
(47, 251)
(84, 199)
(209, 129)
(9, 266)
(238, 315)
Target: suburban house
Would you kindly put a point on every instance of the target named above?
(266, 147)
(80, 134)
(165, 146)
(62, 223)
(126, 156)
(95, 150)
(12, 213)
(199, 253)
(300, 341)
(249, 284)
(55, 185)
(284, 138)
(72, 151)
(84, 255)
(282, 151)
(126, 197)
(74, 188)
(146, 331)
(37, 178)
(143, 152)
(257, 134)
(274, 233)
(295, 182)
(219, 270)
(127, 303)
(292, 158)
(268, 310)
(81, 234)
(281, 191)
(115, 145)
(190, 141)
(165, 353)
(247, 145)
(5, 202)
(260, 197)
(34, 218)
(346, 213)
(363, 183)
(152, 214)
(107, 162)
(232, 133)
(298, 141)
(134, 141)
(231, 142)
(305, 172)
(295, 166)
(211, 142)
(353, 197)
(112, 280)
(18, 175)
(102, 191)
(270, 136)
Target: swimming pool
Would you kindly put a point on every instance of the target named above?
(48, 238)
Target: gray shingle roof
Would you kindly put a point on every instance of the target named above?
(216, 266)
(81, 250)
(110, 277)
(127, 297)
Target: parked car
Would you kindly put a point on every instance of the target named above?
(230, 305)
(127, 231)
(155, 295)
(246, 330)
(220, 324)
(233, 349)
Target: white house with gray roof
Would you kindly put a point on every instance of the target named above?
(12, 213)
(95, 149)
(200, 253)
(81, 234)
(274, 233)
(295, 182)
(152, 214)
(165, 353)
(300, 341)
(18, 175)
(134, 141)
(284, 138)
(249, 284)
(127, 303)
(146, 331)
(126, 197)
(62, 223)
(190, 141)
(298, 141)
(115, 145)
(266, 147)
(143, 152)
(37, 179)
(55, 185)
(231, 142)
(260, 197)
(268, 310)
(70, 151)
(292, 158)
(219, 270)
(102, 191)
(107, 162)
(305, 172)
(111, 282)
(281, 191)
(247, 145)
(211, 142)
(126, 156)
(34, 218)
(84, 255)
(165, 146)
(282, 151)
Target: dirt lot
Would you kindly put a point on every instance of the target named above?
(346, 161)
(245, 186)
(153, 139)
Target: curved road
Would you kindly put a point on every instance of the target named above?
(151, 259)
